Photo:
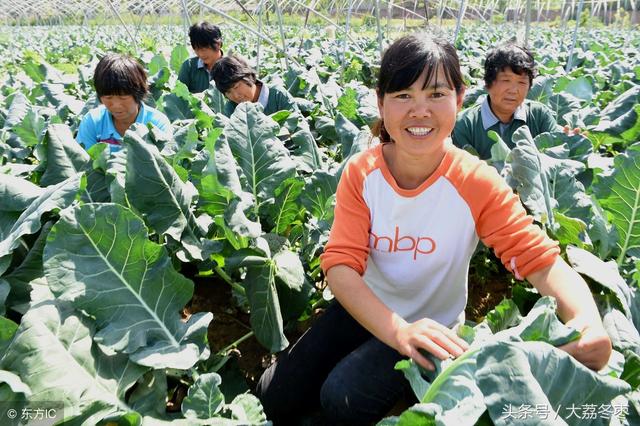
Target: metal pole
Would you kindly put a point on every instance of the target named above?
(280, 25)
(389, 17)
(344, 45)
(186, 23)
(461, 11)
(306, 21)
(258, 40)
(575, 37)
(133, 39)
(379, 27)
(527, 24)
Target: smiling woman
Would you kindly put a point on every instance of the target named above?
(409, 214)
(121, 85)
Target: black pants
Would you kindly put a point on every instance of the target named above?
(336, 365)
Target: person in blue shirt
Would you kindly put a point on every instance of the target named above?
(121, 85)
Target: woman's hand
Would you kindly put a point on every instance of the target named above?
(593, 348)
(430, 336)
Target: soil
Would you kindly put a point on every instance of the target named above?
(230, 323)
(486, 295)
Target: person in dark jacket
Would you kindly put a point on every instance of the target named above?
(206, 41)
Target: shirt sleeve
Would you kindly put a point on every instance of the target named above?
(87, 132)
(286, 102)
(162, 122)
(503, 224)
(349, 239)
(548, 122)
(461, 134)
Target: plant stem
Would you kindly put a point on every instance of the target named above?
(237, 287)
(226, 349)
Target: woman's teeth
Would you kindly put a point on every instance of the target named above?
(419, 131)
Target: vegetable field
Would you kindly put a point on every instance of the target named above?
(99, 252)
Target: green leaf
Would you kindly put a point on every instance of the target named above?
(499, 150)
(541, 324)
(412, 372)
(54, 198)
(204, 399)
(545, 183)
(98, 257)
(30, 129)
(285, 210)
(5, 288)
(14, 382)
(8, 329)
(318, 196)
(304, 148)
(17, 111)
(542, 89)
(561, 145)
(264, 160)
(569, 230)
(631, 372)
(620, 119)
(346, 132)
(503, 316)
(348, 104)
(54, 355)
(456, 391)
(289, 269)
(215, 99)
(247, 409)
(604, 273)
(562, 104)
(150, 394)
(580, 87)
(619, 195)
(153, 187)
(174, 106)
(30, 269)
(624, 336)
(179, 54)
(64, 156)
(16, 195)
(266, 318)
(215, 176)
(511, 374)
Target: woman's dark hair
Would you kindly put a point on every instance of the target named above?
(509, 55)
(204, 34)
(404, 62)
(120, 75)
(228, 70)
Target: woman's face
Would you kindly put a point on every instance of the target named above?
(420, 120)
(242, 92)
(123, 108)
(208, 55)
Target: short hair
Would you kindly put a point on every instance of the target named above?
(203, 34)
(509, 55)
(228, 70)
(407, 58)
(120, 75)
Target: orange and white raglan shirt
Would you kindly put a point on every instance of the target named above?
(413, 247)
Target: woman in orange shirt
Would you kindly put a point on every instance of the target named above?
(409, 214)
